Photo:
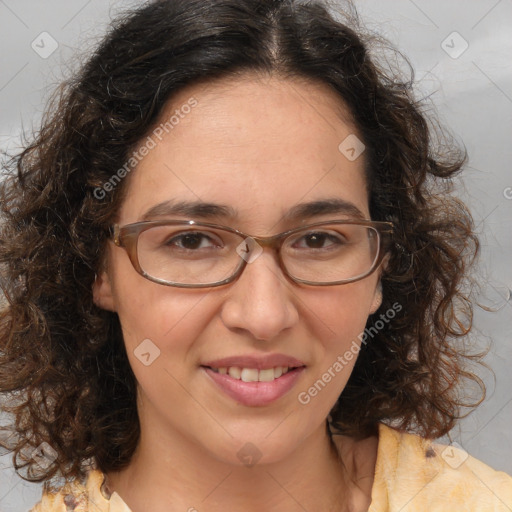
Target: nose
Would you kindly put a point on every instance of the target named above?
(260, 301)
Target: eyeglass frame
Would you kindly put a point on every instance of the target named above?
(127, 236)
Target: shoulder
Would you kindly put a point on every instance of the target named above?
(80, 496)
(413, 473)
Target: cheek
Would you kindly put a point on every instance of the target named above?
(340, 312)
(338, 319)
(160, 330)
(170, 318)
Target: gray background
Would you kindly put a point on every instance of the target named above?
(471, 93)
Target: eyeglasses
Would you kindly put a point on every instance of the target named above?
(191, 254)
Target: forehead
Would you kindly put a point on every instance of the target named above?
(258, 144)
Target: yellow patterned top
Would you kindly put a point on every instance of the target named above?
(412, 474)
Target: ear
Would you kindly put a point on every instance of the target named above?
(102, 292)
(377, 298)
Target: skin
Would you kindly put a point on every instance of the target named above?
(260, 145)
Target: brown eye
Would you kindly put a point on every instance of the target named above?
(191, 241)
(320, 240)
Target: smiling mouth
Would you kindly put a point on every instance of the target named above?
(253, 374)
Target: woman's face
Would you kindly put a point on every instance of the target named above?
(261, 147)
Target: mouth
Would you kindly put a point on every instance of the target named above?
(254, 374)
(253, 387)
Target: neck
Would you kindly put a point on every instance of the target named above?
(321, 474)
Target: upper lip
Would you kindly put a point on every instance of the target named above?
(257, 362)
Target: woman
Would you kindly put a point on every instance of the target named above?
(235, 277)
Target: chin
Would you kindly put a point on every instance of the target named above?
(259, 448)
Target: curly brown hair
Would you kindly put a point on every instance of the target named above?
(64, 373)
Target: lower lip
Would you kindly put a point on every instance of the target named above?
(255, 393)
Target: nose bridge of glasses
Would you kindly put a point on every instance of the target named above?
(272, 242)
(256, 247)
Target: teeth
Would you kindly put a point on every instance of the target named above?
(249, 375)
(265, 375)
(252, 374)
(235, 372)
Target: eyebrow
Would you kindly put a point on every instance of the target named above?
(207, 211)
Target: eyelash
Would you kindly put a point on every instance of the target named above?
(202, 235)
